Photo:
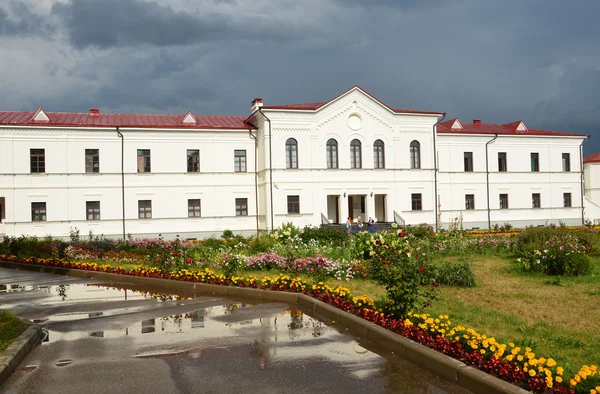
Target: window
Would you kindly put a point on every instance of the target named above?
(293, 204)
(355, 154)
(194, 208)
(503, 201)
(92, 161)
(38, 211)
(143, 160)
(193, 160)
(417, 204)
(567, 200)
(469, 201)
(92, 209)
(241, 207)
(145, 209)
(536, 201)
(468, 159)
(38, 161)
(501, 161)
(291, 153)
(415, 154)
(378, 154)
(332, 153)
(535, 162)
(239, 160)
(566, 162)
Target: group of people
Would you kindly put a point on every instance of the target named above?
(359, 225)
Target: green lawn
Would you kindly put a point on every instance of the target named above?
(10, 328)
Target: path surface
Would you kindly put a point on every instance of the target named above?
(103, 339)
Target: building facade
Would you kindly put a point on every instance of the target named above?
(308, 164)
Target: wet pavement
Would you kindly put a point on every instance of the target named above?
(107, 339)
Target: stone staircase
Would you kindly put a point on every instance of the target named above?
(379, 226)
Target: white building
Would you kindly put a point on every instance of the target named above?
(116, 174)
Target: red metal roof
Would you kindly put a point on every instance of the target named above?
(492, 128)
(123, 120)
(316, 106)
(593, 158)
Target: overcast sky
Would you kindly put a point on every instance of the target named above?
(498, 60)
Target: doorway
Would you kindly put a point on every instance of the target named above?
(333, 209)
(357, 206)
(2, 213)
(380, 214)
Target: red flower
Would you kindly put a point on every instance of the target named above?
(387, 265)
(435, 284)
(416, 256)
(401, 234)
(189, 261)
(422, 269)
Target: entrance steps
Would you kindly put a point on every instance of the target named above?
(379, 226)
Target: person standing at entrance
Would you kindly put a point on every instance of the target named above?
(349, 226)
(371, 225)
(359, 224)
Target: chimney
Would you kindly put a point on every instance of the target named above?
(256, 104)
(94, 112)
(476, 122)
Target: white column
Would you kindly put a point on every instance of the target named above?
(371, 208)
(344, 208)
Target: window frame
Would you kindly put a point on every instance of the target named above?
(355, 154)
(469, 202)
(416, 201)
(37, 160)
(144, 209)
(94, 156)
(378, 154)
(415, 155)
(503, 200)
(192, 160)
(145, 155)
(241, 206)
(502, 162)
(567, 200)
(194, 207)
(566, 164)
(293, 207)
(240, 160)
(536, 200)
(91, 210)
(468, 161)
(39, 212)
(291, 153)
(332, 156)
(535, 161)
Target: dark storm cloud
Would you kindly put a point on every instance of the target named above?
(21, 21)
(120, 23)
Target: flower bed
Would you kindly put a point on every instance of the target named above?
(512, 363)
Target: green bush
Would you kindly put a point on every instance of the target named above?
(421, 231)
(323, 234)
(455, 274)
(261, 243)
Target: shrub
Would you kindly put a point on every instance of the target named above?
(227, 234)
(421, 231)
(323, 234)
(455, 274)
(260, 244)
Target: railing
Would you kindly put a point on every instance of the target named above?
(324, 220)
(398, 219)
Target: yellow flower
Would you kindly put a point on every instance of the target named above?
(551, 362)
(558, 379)
(531, 372)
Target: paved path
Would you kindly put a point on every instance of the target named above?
(107, 340)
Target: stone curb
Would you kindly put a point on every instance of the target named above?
(453, 370)
(18, 350)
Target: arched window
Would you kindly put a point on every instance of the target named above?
(332, 153)
(291, 153)
(378, 154)
(415, 154)
(355, 154)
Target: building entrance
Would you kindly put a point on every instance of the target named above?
(357, 207)
(333, 209)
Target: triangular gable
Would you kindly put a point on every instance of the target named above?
(189, 118)
(521, 126)
(457, 125)
(40, 116)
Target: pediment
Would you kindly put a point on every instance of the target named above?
(189, 118)
(40, 116)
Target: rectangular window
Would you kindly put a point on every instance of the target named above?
(241, 207)
(535, 162)
(503, 201)
(38, 211)
(468, 161)
(469, 201)
(143, 160)
(416, 202)
(92, 161)
(145, 209)
(566, 162)
(536, 200)
(239, 161)
(92, 209)
(501, 161)
(193, 160)
(567, 200)
(194, 208)
(293, 204)
(38, 161)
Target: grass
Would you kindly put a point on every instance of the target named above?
(10, 328)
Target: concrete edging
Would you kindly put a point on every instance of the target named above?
(453, 370)
(18, 350)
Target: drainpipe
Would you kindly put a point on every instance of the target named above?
(270, 165)
(435, 189)
(582, 180)
(255, 176)
(122, 177)
(487, 180)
